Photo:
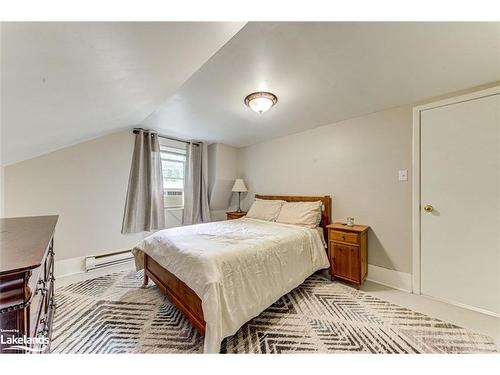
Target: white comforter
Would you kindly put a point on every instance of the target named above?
(238, 268)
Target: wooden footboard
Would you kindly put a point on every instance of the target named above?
(182, 296)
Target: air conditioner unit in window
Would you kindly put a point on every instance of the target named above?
(173, 198)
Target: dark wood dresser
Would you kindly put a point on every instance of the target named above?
(26, 283)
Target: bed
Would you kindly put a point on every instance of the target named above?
(222, 274)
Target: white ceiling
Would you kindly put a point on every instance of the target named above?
(63, 83)
(326, 72)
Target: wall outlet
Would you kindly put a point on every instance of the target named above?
(403, 175)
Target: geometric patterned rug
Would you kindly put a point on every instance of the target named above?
(112, 314)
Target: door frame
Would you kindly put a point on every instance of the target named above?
(416, 199)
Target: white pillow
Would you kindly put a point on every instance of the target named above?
(306, 214)
(265, 210)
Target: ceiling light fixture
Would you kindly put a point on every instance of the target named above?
(260, 101)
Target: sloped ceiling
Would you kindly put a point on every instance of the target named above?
(326, 72)
(63, 83)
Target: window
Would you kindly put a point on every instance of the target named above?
(173, 162)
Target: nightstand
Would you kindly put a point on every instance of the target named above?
(348, 252)
(235, 215)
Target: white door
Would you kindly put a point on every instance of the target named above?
(460, 178)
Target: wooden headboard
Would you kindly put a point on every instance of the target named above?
(326, 200)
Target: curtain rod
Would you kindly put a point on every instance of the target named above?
(135, 131)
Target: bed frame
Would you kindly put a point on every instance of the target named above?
(184, 297)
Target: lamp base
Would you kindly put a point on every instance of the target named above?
(239, 201)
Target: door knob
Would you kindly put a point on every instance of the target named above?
(428, 208)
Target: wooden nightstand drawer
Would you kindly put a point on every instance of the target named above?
(344, 237)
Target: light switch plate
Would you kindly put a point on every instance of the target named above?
(403, 175)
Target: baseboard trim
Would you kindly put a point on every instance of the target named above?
(69, 271)
(391, 278)
(463, 305)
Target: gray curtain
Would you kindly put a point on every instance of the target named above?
(196, 209)
(144, 205)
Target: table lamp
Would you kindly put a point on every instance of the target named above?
(239, 187)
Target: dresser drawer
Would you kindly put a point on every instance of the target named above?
(344, 237)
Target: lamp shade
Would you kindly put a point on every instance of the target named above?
(239, 186)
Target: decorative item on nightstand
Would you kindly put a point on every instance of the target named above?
(235, 215)
(239, 187)
(348, 252)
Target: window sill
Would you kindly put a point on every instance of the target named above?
(174, 209)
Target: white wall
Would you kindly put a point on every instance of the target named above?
(223, 169)
(1, 192)
(85, 185)
(356, 162)
(1, 131)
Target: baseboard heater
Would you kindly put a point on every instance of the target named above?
(106, 260)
